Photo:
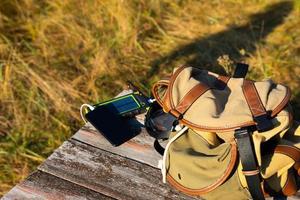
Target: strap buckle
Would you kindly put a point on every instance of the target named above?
(241, 133)
(249, 162)
(264, 123)
(240, 70)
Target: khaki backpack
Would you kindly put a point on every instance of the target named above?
(238, 138)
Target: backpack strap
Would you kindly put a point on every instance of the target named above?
(241, 70)
(259, 113)
(158, 147)
(291, 151)
(189, 99)
(196, 92)
(249, 163)
(290, 187)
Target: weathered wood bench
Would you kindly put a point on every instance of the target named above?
(88, 167)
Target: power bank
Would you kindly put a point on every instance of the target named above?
(112, 126)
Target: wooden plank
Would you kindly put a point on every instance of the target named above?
(107, 173)
(41, 186)
(140, 148)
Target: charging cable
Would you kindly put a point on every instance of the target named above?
(81, 110)
(151, 100)
(162, 163)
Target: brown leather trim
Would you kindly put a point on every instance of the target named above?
(224, 79)
(216, 129)
(154, 90)
(290, 151)
(233, 127)
(252, 97)
(213, 186)
(290, 187)
(297, 167)
(222, 82)
(175, 113)
(283, 103)
(195, 93)
(191, 97)
(251, 173)
(168, 102)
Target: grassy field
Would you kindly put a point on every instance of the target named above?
(57, 54)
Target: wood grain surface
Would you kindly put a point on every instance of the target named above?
(140, 148)
(42, 186)
(107, 173)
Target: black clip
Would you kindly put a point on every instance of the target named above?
(240, 70)
(264, 123)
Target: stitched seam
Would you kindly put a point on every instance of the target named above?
(217, 128)
(283, 103)
(214, 185)
(187, 94)
(224, 79)
(155, 93)
(250, 85)
(262, 108)
(194, 99)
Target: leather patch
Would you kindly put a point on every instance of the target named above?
(253, 99)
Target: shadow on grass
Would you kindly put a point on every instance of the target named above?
(205, 51)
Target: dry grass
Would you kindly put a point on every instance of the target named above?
(57, 54)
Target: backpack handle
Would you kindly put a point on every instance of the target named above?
(196, 92)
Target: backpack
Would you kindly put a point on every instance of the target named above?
(237, 140)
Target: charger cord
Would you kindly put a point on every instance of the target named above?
(81, 110)
(162, 163)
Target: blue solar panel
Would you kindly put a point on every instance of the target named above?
(122, 105)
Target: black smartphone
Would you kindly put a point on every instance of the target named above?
(112, 126)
